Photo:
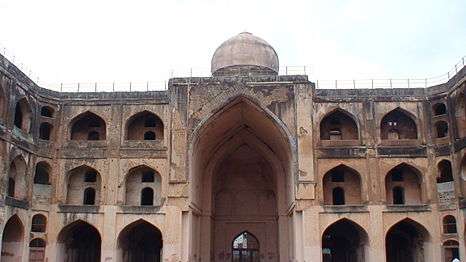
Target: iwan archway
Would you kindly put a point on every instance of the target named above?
(240, 166)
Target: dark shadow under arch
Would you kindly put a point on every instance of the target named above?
(339, 124)
(405, 240)
(140, 241)
(344, 241)
(78, 242)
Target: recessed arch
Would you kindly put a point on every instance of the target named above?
(137, 179)
(398, 124)
(403, 185)
(445, 171)
(439, 109)
(406, 241)
(339, 124)
(245, 247)
(441, 129)
(12, 239)
(342, 186)
(88, 126)
(144, 125)
(45, 131)
(38, 223)
(450, 250)
(344, 241)
(23, 115)
(79, 241)
(140, 241)
(17, 175)
(47, 111)
(241, 129)
(37, 250)
(79, 186)
(42, 173)
(449, 224)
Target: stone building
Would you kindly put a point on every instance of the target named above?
(245, 165)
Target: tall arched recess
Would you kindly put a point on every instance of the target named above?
(240, 162)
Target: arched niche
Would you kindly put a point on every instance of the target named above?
(398, 124)
(140, 241)
(240, 163)
(88, 126)
(17, 179)
(37, 250)
(47, 111)
(23, 115)
(339, 125)
(403, 185)
(144, 125)
(38, 223)
(45, 131)
(439, 109)
(12, 240)
(407, 241)
(441, 129)
(138, 180)
(345, 241)
(245, 247)
(77, 242)
(342, 183)
(81, 182)
(42, 173)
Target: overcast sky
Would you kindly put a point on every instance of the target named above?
(104, 40)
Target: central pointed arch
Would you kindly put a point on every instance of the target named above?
(241, 134)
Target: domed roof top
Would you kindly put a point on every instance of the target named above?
(244, 52)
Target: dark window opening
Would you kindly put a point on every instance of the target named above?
(441, 128)
(11, 187)
(439, 109)
(149, 135)
(148, 177)
(45, 130)
(37, 242)
(90, 176)
(89, 196)
(150, 121)
(18, 116)
(449, 225)
(147, 197)
(445, 172)
(41, 175)
(451, 250)
(398, 196)
(93, 136)
(338, 196)
(46, 111)
(38, 224)
(338, 176)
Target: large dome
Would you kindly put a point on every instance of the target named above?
(244, 53)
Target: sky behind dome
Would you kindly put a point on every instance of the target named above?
(106, 40)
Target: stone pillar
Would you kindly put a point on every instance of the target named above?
(376, 250)
(109, 247)
(312, 235)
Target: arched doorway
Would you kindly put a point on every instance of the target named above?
(12, 240)
(240, 174)
(344, 241)
(37, 250)
(405, 242)
(140, 242)
(79, 242)
(245, 248)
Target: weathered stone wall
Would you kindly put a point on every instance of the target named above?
(295, 109)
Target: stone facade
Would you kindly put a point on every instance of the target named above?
(232, 166)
